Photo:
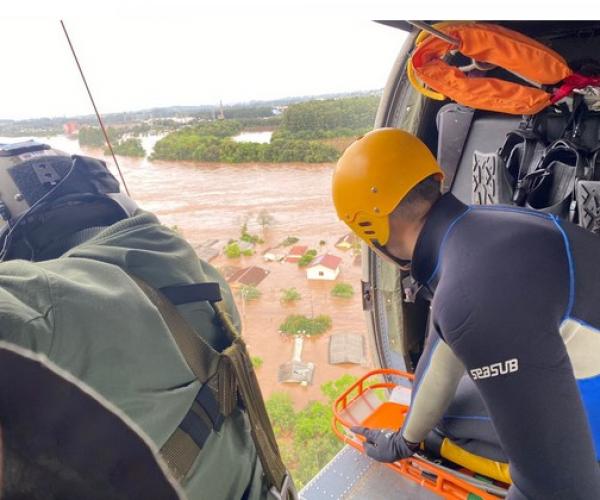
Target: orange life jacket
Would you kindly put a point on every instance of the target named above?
(496, 45)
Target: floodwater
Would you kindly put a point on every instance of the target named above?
(212, 201)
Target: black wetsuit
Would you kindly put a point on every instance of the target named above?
(516, 302)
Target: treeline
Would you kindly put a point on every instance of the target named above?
(251, 111)
(93, 136)
(295, 140)
(132, 146)
(269, 122)
(20, 131)
(215, 128)
(330, 118)
(247, 112)
(188, 145)
(128, 147)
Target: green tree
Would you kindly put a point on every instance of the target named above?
(247, 237)
(93, 136)
(249, 292)
(343, 290)
(257, 361)
(298, 323)
(334, 388)
(281, 412)
(264, 219)
(211, 142)
(328, 118)
(232, 250)
(313, 443)
(289, 241)
(290, 295)
(307, 258)
(129, 147)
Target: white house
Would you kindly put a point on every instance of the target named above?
(324, 267)
(270, 255)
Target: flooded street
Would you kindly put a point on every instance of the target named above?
(212, 201)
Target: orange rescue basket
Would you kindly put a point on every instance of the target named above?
(361, 405)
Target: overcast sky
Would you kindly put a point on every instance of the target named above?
(135, 63)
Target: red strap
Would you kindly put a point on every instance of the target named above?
(575, 81)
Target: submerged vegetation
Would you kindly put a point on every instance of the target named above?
(248, 237)
(257, 361)
(307, 258)
(188, 145)
(233, 250)
(249, 292)
(289, 241)
(93, 136)
(289, 295)
(343, 290)
(128, 147)
(297, 324)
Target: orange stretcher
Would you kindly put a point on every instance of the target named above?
(366, 403)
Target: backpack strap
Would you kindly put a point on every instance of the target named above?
(183, 446)
(232, 373)
(202, 359)
(197, 292)
(238, 367)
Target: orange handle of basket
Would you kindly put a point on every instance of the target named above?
(360, 385)
(342, 402)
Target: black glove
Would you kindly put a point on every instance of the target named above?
(384, 445)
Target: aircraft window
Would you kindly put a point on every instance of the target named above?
(249, 187)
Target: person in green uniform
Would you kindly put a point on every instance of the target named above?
(72, 246)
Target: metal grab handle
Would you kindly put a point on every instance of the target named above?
(435, 32)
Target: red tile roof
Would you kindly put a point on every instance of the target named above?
(329, 261)
(298, 250)
(250, 276)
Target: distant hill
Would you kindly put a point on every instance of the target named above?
(250, 109)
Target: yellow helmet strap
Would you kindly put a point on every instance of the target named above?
(382, 252)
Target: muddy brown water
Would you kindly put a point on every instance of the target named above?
(211, 201)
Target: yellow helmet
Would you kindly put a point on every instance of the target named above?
(374, 175)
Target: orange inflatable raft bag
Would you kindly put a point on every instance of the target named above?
(499, 46)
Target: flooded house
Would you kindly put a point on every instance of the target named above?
(346, 242)
(296, 371)
(347, 348)
(324, 267)
(272, 255)
(248, 276)
(295, 253)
